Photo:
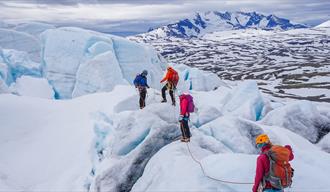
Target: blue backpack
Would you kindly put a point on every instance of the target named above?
(140, 80)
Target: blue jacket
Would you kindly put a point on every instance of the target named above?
(141, 81)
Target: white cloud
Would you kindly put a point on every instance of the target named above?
(155, 11)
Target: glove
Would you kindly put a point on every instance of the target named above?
(180, 118)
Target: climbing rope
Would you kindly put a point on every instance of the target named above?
(210, 177)
(200, 164)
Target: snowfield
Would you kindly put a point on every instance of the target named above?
(71, 121)
(103, 142)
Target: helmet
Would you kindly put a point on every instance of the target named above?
(144, 73)
(263, 138)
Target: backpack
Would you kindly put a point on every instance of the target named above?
(174, 78)
(191, 105)
(138, 81)
(280, 171)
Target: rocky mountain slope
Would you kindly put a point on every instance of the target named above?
(290, 64)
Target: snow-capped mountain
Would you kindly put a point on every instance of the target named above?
(326, 24)
(292, 63)
(213, 21)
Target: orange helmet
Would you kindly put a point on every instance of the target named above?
(263, 138)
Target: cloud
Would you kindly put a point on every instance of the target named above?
(139, 15)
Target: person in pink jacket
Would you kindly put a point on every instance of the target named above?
(263, 164)
(185, 98)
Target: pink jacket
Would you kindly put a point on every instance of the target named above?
(263, 166)
(183, 105)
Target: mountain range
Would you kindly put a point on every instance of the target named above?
(211, 21)
(288, 60)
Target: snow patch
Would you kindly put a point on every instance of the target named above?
(32, 87)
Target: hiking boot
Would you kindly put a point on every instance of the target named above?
(187, 140)
(164, 101)
(183, 139)
(173, 103)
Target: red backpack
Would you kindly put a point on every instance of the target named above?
(174, 78)
(280, 171)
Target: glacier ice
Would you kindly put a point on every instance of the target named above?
(195, 79)
(32, 87)
(70, 53)
(246, 101)
(174, 161)
(139, 136)
(235, 133)
(301, 117)
(19, 63)
(134, 58)
(20, 41)
(325, 143)
(108, 145)
(33, 28)
(78, 62)
(3, 87)
(102, 73)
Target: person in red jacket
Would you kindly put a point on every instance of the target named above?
(172, 80)
(185, 98)
(263, 165)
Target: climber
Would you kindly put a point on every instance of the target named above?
(172, 79)
(273, 172)
(186, 107)
(141, 84)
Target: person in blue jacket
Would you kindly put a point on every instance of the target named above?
(141, 84)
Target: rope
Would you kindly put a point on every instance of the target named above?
(200, 164)
(210, 177)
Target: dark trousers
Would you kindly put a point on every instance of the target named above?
(143, 94)
(185, 128)
(169, 87)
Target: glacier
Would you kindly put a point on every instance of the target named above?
(32, 87)
(302, 117)
(71, 122)
(104, 142)
(20, 41)
(74, 61)
(69, 54)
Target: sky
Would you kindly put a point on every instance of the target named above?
(136, 16)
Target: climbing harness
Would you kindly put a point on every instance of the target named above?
(210, 177)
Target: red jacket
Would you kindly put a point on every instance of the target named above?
(168, 75)
(183, 105)
(263, 166)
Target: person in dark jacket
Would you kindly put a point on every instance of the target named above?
(263, 164)
(141, 84)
